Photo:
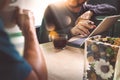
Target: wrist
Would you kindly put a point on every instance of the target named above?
(91, 13)
(29, 31)
(73, 32)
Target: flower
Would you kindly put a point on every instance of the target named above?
(103, 69)
(94, 47)
(90, 59)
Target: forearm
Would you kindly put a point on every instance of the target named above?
(33, 54)
(102, 9)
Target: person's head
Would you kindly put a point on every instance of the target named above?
(7, 13)
(3, 4)
(75, 3)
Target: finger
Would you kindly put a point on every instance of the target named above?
(83, 35)
(82, 32)
(86, 31)
(18, 13)
(79, 31)
(76, 32)
(27, 12)
(86, 23)
(83, 29)
(91, 23)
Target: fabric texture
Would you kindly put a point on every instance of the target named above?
(12, 65)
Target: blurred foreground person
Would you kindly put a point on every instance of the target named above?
(73, 17)
(12, 66)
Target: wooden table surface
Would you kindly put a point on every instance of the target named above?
(66, 64)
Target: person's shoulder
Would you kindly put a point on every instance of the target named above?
(57, 4)
(50, 6)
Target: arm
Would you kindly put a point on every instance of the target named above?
(32, 52)
(88, 12)
(86, 15)
(95, 10)
(82, 27)
(101, 9)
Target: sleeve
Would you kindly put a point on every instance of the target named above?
(52, 18)
(101, 9)
(49, 15)
(12, 65)
(43, 34)
(46, 22)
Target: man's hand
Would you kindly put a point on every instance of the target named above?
(86, 16)
(82, 28)
(25, 20)
(32, 52)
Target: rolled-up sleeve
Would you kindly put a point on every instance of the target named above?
(102, 9)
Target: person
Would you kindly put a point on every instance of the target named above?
(63, 17)
(12, 66)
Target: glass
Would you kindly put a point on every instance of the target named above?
(60, 41)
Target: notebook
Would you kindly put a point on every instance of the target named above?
(103, 26)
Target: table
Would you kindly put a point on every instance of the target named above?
(66, 64)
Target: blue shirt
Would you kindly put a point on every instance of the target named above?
(12, 65)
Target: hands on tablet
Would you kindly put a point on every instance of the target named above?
(82, 27)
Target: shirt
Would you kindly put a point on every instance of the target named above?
(12, 65)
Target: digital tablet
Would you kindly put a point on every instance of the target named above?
(102, 27)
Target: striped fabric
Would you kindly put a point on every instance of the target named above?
(16, 38)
